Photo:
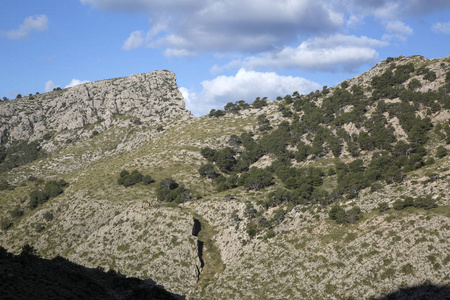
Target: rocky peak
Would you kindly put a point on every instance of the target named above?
(151, 98)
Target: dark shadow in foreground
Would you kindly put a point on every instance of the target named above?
(27, 276)
(420, 292)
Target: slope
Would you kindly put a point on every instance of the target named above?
(275, 241)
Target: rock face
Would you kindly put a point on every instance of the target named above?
(151, 97)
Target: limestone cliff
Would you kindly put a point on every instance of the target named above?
(151, 98)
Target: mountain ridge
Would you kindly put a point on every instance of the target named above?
(258, 242)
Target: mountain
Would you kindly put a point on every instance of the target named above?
(338, 194)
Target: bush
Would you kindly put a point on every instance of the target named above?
(124, 173)
(256, 179)
(37, 197)
(16, 212)
(5, 224)
(216, 113)
(353, 215)
(398, 204)
(426, 202)
(52, 189)
(208, 153)
(338, 214)
(32, 178)
(334, 211)
(4, 185)
(48, 216)
(170, 191)
(207, 171)
(128, 179)
(39, 228)
(224, 159)
(147, 179)
(259, 103)
(383, 206)
(441, 152)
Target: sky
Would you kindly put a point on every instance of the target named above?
(221, 51)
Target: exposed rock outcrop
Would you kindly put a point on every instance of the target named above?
(151, 98)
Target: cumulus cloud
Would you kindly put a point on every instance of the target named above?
(194, 26)
(75, 82)
(332, 53)
(135, 40)
(49, 86)
(30, 24)
(245, 85)
(443, 28)
(392, 9)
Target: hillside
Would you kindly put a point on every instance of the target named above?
(338, 194)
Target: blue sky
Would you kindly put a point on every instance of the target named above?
(221, 51)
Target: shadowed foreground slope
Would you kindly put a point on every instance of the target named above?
(27, 276)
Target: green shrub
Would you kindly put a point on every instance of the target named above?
(128, 179)
(37, 197)
(170, 191)
(208, 171)
(208, 153)
(52, 189)
(270, 234)
(441, 152)
(398, 204)
(147, 179)
(124, 173)
(333, 213)
(426, 202)
(5, 224)
(39, 228)
(4, 185)
(252, 229)
(259, 103)
(256, 179)
(383, 206)
(16, 212)
(338, 214)
(48, 216)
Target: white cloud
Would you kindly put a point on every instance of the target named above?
(30, 24)
(443, 28)
(397, 30)
(49, 86)
(392, 9)
(194, 26)
(332, 53)
(75, 82)
(245, 85)
(135, 40)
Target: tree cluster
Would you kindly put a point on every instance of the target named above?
(128, 179)
(51, 189)
(18, 154)
(170, 191)
(340, 215)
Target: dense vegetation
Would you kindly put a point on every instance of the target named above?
(128, 179)
(18, 154)
(311, 130)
